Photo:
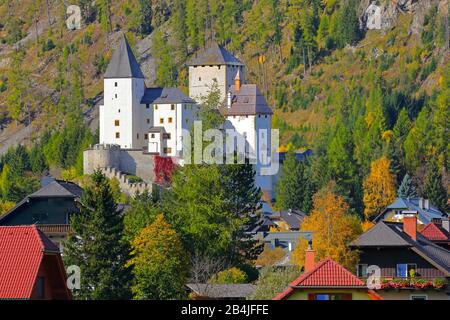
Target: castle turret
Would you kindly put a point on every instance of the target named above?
(213, 64)
(124, 87)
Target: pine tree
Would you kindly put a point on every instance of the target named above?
(433, 187)
(407, 188)
(96, 244)
(294, 189)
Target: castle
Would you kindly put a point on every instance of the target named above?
(138, 123)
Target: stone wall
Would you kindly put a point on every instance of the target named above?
(125, 185)
(129, 161)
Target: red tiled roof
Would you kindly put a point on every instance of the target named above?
(327, 273)
(21, 252)
(434, 232)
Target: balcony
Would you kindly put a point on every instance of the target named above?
(416, 283)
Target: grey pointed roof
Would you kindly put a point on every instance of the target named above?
(214, 55)
(391, 234)
(165, 96)
(123, 63)
(247, 101)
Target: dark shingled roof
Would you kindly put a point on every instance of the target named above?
(123, 63)
(165, 96)
(390, 234)
(214, 55)
(293, 218)
(247, 101)
(58, 188)
(221, 291)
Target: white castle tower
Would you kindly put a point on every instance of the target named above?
(120, 114)
(215, 63)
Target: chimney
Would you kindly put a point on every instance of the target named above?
(410, 226)
(229, 99)
(237, 81)
(446, 224)
(310, 257)
(421, 203)
(426, 204)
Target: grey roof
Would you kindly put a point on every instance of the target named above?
(293, 218)
(123, 63)
(390, 234)
(165, 96)
(58, 188)
(214, 55)
(247, 101)
(412, 204)
(219, 291)
(157, 129)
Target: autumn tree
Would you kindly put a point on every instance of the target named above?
(379, 187)
(333, 229)
(270, 256)
(274, 280)
(159, 262)
(232, 275)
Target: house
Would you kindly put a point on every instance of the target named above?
(410, 265)
(49, 208)
(438, 232)
(206, 291)
(422, 208)
(326, 280)
(287, 220)
(30, 265)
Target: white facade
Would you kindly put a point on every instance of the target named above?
(201, 78)
(120, 114)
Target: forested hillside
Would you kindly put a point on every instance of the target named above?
(368, 102)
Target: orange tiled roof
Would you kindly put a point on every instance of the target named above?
(434, 232)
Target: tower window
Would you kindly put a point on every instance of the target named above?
(161, 120)
(115, 84)
(117, 135)
(115, 96)
(147, 106)
(152, 135)
(148, 120)
(118, 111)
(170, 120)
(137, 136)
(117, 123)
(166, 136)
(146, 136)
(167, 150)
(156, 107)
(199, 78)
(172, 107)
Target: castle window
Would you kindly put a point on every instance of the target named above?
(156, 107)
(161, 120)
(146, 136)
(148, 120)
(167, 150)
(166, 136)
(115, 84)
(170, 120)
(147, 106)
(117, 135)
(199, 79)
(116, 123)
(115, 95)
(137, 136)
(152, 135)
(118, 111)
(172, 107)
(265, 116)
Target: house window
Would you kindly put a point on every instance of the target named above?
(406, 270)
(170, 120)
(115, 84)
(361, 270)
(172, 107)
(146, 136)
(117, 135)
(40, 287)
(419, 297)
(330, 296)
(117, 123)
(152, 136)
(161, 120)
(166, 136)
(167, 150)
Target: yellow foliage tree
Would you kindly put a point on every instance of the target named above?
(379, 187)
(5, 206)
(270, 256)
(333, 229)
